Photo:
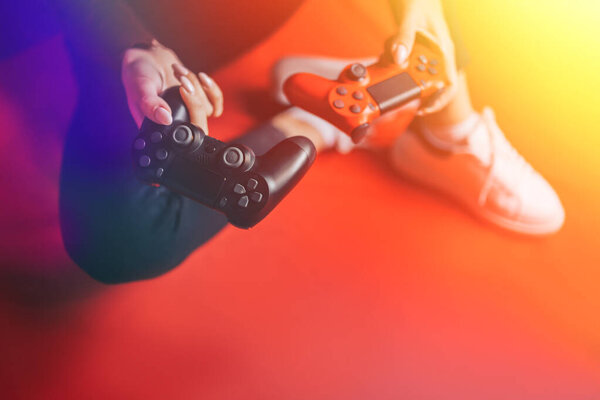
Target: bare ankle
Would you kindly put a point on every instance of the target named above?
(291, 126)
(457, 111)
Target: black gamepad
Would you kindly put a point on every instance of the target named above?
(229, 178)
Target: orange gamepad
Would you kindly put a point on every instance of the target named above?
(378, 101)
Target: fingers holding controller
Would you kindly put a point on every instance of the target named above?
(204, 87)
(213, 92)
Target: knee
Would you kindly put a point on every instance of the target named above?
(113, 259)
(131, 237)
(109, 270)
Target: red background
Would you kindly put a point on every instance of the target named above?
(360, 285)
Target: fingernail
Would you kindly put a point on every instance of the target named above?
(401, 53)
(180, 69)
(205, 79)
(187, 84)
(163, 116)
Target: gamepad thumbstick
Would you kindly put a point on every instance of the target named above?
(357, 71)
(182, 136)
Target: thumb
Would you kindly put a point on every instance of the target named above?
(143, 83)
(402, 43)
(154, 107)
(197, 111)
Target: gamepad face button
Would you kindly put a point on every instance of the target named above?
(358, 95)
(252, 184)
(223, 202)
(156, 137)
(182, 135)
(338, 104)
(423, 59)
(239, 189)
(358, 71)
(433, 71)
(162, 154)
(421, 68)
(233, 157)
(256, 197)
(243, 202)
(144, 161)
(160, 172)
(342, 91)
(355, 108)
(433, 63)
(139, 144)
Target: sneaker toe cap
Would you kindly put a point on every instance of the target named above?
(541, 207)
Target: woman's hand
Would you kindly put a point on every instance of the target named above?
(146, 73)
(202, 96)
(425, 16)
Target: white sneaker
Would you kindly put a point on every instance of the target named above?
(483, 172)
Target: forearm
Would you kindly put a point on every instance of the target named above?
(100, 30)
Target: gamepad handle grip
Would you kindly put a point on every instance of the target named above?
(174, 100)
(305, 87)
(311, 93)
(282, 167)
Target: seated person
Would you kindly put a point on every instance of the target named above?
(118, 229)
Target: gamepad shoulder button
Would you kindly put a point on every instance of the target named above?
(233, 157)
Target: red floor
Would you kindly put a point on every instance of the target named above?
(359, 286)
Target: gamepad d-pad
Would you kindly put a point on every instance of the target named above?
(229, 178)
(378, 101)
